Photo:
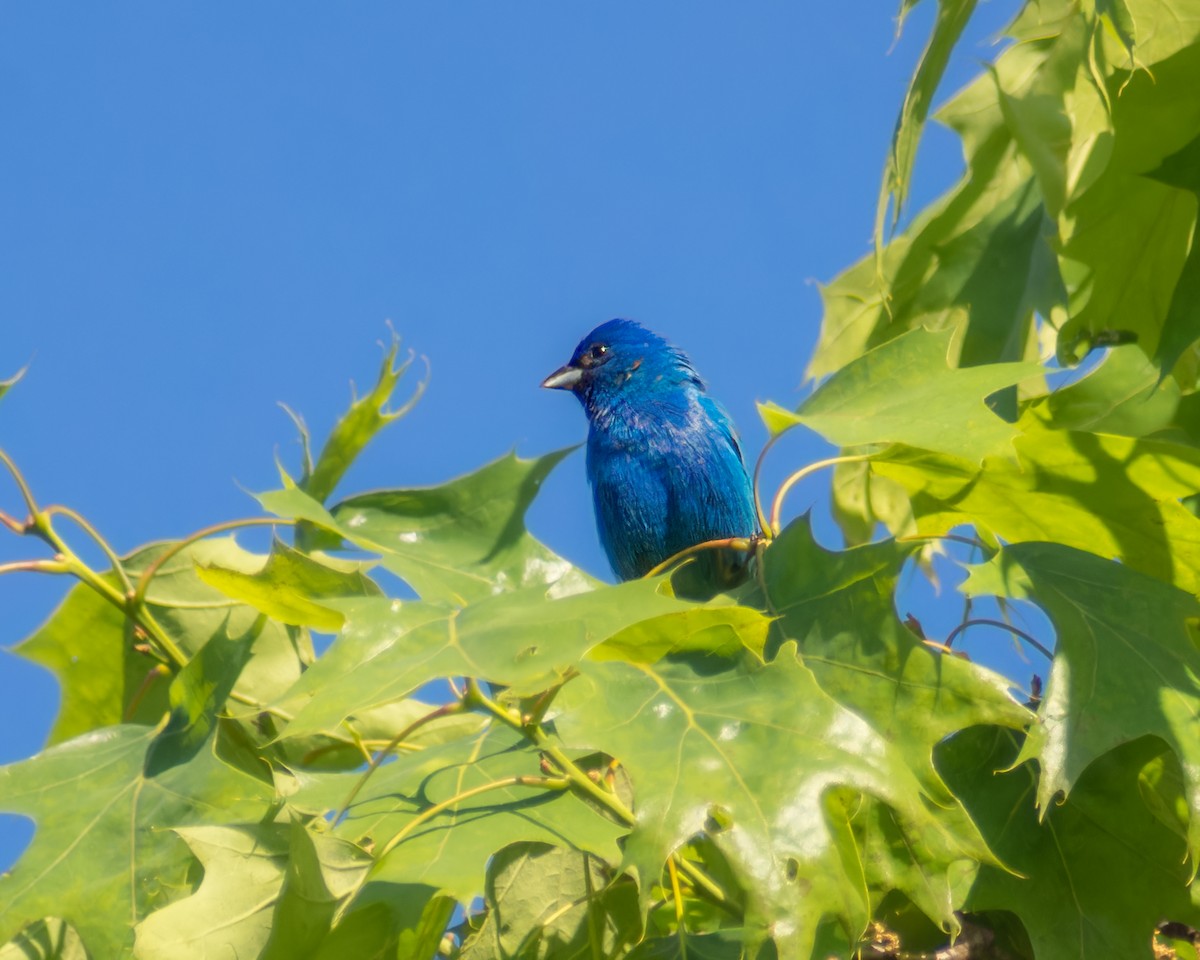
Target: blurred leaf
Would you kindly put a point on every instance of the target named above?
(365, 418)
(458, 542)
(231, 912)
(103, 852)
(1181, 326)
(725, 945)
(904, 392)
(48, 939)
(290, 585)
(524, 640)
(87, 645)
(1124, 665)
(760, 759)
(952, 19)
(6, 385)
(1097, 873)
(450, 851)
(1113, 496)
(551, 903)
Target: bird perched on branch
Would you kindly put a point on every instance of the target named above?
(662, 456)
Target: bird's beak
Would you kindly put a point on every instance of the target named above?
(564, 378)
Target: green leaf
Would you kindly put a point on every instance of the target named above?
(458, 542)
(103, 855)
(197, 693)
(760, 758)
(232, 911)
(365, 418)
(720, 631)
(1125, 239)
(1124, 395)
(87, 645)
(290, 586)
(525, 640)
(838, 607)
(450, 850)
(1125, 665)
(905, 392)
(1096, 873)
(725, 945)
(1112, 496)
(1181, 326)
(48, 939)
(952, 19)
(552, 903)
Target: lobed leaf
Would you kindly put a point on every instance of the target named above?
(1125, 664)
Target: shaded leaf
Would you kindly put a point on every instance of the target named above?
(551, 903)
(838, 608)
(48, 939)
(1124, 667)
(1097, 874)
(1112, 496)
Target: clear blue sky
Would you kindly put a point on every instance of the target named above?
(206, 209)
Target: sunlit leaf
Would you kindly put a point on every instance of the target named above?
(905, 392)
(763, 761)
(461, 541)
(103, 856)
(290, 585)
(232, 910)
(523, 640)
(88, 645)
(450, 851)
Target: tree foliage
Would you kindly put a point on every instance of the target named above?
(505, 758)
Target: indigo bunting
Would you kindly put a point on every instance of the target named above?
(663, 458)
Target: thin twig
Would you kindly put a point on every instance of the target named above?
(983, 622)
(795, 478)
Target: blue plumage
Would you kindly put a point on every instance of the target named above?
(662, 456)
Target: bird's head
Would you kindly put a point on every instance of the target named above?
(618, 356)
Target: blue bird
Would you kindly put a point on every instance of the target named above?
(663, 457)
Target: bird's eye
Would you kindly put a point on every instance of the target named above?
(596, 354)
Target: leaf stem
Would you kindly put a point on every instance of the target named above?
(755, 486)
(26, 493)
(92, 532)
(35, 566)
(795, 478)
(474, 696)
(745, 544)
(984, 622)
(446, 710)
(544, 783)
